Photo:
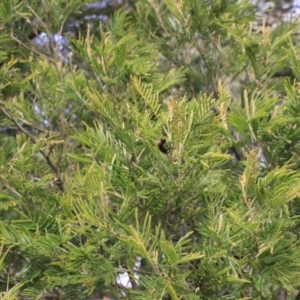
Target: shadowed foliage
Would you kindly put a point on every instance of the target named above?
(168, 135)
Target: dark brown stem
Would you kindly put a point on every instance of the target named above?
(133, 282)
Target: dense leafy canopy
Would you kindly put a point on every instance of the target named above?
(169, 134)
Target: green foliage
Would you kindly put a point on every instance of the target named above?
(167, 136)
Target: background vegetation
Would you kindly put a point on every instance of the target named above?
(163, 148)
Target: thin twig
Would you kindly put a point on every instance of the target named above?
(52, 165)
(52, 48)
(29, 48)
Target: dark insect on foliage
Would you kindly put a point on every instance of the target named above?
(160, 144)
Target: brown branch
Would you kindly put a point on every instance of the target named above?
(133, 282)
(52, 165)
(282, 294)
